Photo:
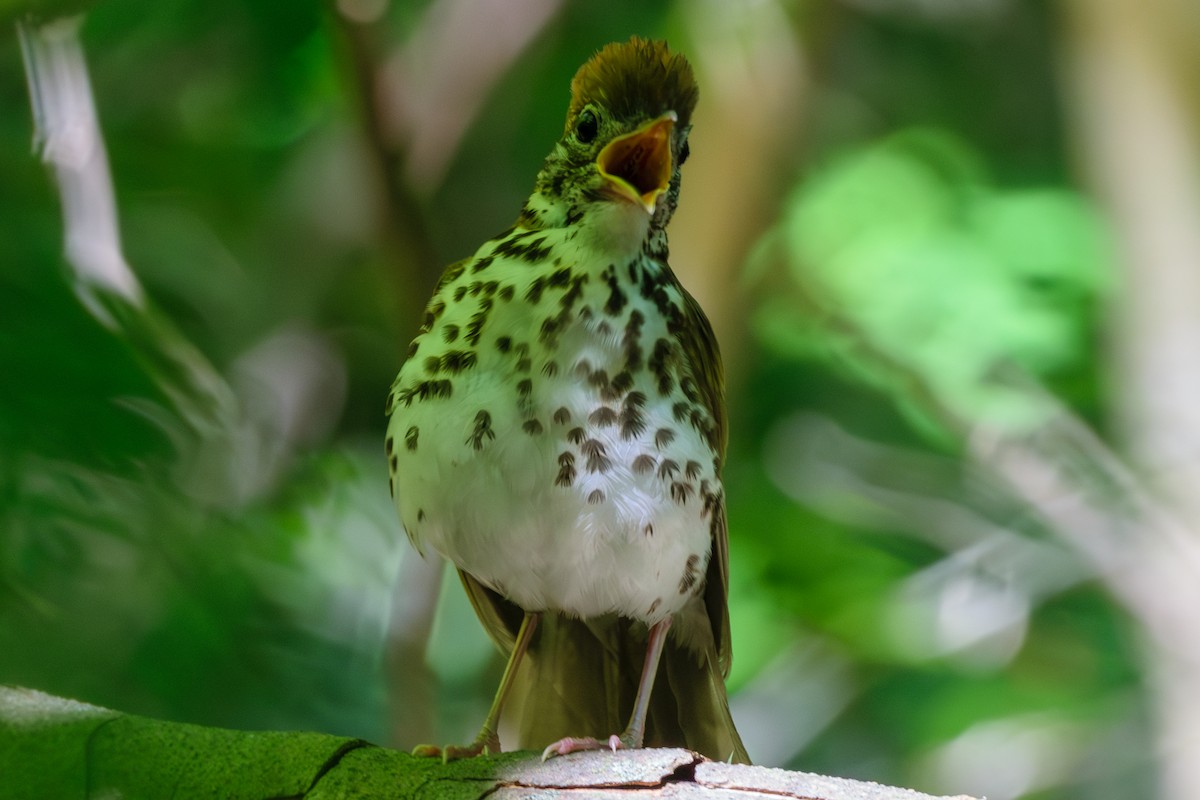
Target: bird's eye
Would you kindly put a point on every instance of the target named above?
(684, 153)
(587, 126)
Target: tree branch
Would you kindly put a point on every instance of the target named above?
(52, 747)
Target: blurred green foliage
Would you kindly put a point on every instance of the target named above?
(941, 273)
(239, 574)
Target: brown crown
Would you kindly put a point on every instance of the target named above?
(635, 79)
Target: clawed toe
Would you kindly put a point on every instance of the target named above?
(427, 751)
(452, 752)
(572, 744)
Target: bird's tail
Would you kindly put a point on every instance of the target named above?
(580, 678)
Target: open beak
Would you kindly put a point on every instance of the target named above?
(637, 166)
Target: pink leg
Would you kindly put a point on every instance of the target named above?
(635, 731)
(488, 741)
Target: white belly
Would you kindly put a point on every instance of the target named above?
(582, 513)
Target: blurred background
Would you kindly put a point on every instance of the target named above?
(951, 249)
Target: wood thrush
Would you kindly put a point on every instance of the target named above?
(558, 428)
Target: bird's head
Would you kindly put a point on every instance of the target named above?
(626, 134)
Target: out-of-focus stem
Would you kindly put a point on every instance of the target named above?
(1141, 152)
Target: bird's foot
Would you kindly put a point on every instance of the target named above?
(570, 744)
(486, 742)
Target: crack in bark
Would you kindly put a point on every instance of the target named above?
(684, 773)
(323, 770)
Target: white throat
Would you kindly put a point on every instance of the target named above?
(615, 229)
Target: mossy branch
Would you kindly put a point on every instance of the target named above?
(52, 748)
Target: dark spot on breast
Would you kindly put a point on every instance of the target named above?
(632, 422)
(392, 462)
(420, 515)
(456, 361)
(603, 417)
(482, 430)
(616, 295)
(531, 252)
(524, 387)
(583, 368)
(478, 319)
(663, 437)
(575, 435)
(681, 492)
(410, 438)
(550, 369)
(659, 363)
(532, 427)
(482, 264)
(597, 459)
(504, 344)
(654, 606)
(688, 580)
(566, 469)
(459, 293)
(534, 293)
(432, 364)
(449, 333)
(692, 470)
(562, 416)
(643, 464)
(412, 347)
(391, 486)
(425, 390)
(596, 496)
(388, 444)
(648, 530)
(507, 292)
(667, 469)
(632, 340)
(688, 387)
(559, 278)
(570, 297)
(651, 283)
(598, 378)
(680, 411)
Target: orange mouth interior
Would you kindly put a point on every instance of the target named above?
(638, 164)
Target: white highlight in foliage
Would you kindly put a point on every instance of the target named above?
(68, 135)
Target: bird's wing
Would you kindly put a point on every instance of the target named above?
(704, 357)
(500, 618)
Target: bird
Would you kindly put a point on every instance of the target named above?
(557, 431)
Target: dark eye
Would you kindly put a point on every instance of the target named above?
(587, 126)
(684, 153)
